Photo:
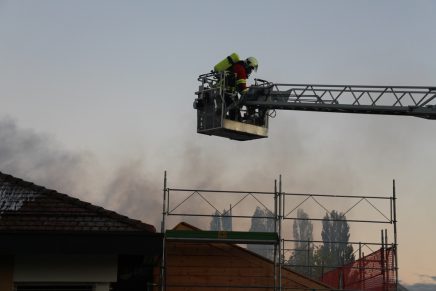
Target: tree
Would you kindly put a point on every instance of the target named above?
(302, 255)
(335, 250)
(221, 221)
(215, 223)
(262, 223)
(226, 220)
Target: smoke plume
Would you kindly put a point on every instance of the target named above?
(40, 159)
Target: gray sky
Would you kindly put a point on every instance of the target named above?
(101, 92)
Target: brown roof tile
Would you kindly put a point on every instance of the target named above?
(25, 207)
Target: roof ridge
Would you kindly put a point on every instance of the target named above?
(78, 202)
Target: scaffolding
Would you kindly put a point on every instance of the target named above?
(280, 211)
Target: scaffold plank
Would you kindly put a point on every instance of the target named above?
(223, 236)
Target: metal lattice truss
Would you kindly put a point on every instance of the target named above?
(206, 197)
(390, 100)
(274, 203)
(369, 201)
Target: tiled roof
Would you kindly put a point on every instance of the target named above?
(26, 207)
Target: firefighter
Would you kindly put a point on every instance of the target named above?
(243, 70)
(237, 81)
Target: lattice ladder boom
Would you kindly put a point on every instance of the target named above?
(222, 111)
(387, 100)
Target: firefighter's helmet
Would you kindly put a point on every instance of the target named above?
(252, 63)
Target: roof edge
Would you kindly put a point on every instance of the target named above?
(141, 226)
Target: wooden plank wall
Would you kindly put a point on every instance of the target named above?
(200, 266)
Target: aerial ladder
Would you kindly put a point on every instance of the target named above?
(215, 102)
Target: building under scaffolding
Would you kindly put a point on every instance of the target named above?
(195, 259)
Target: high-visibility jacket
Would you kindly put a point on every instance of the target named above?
(241, 76)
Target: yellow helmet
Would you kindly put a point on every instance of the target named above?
(252, 63)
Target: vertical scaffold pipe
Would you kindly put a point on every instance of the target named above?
(360, 266)
(281, 259)
(394, 202)
(387, 256)
(382, 265)
(275, 231)
(162, 270)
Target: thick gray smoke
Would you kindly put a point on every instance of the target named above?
(308, 158)
(37, 157)
(134, 192)
(40, 159)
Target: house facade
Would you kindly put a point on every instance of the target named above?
(52, 241)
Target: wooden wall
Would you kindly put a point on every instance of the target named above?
(193, 266)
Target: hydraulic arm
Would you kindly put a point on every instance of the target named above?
(222, 112)
(390, 100)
